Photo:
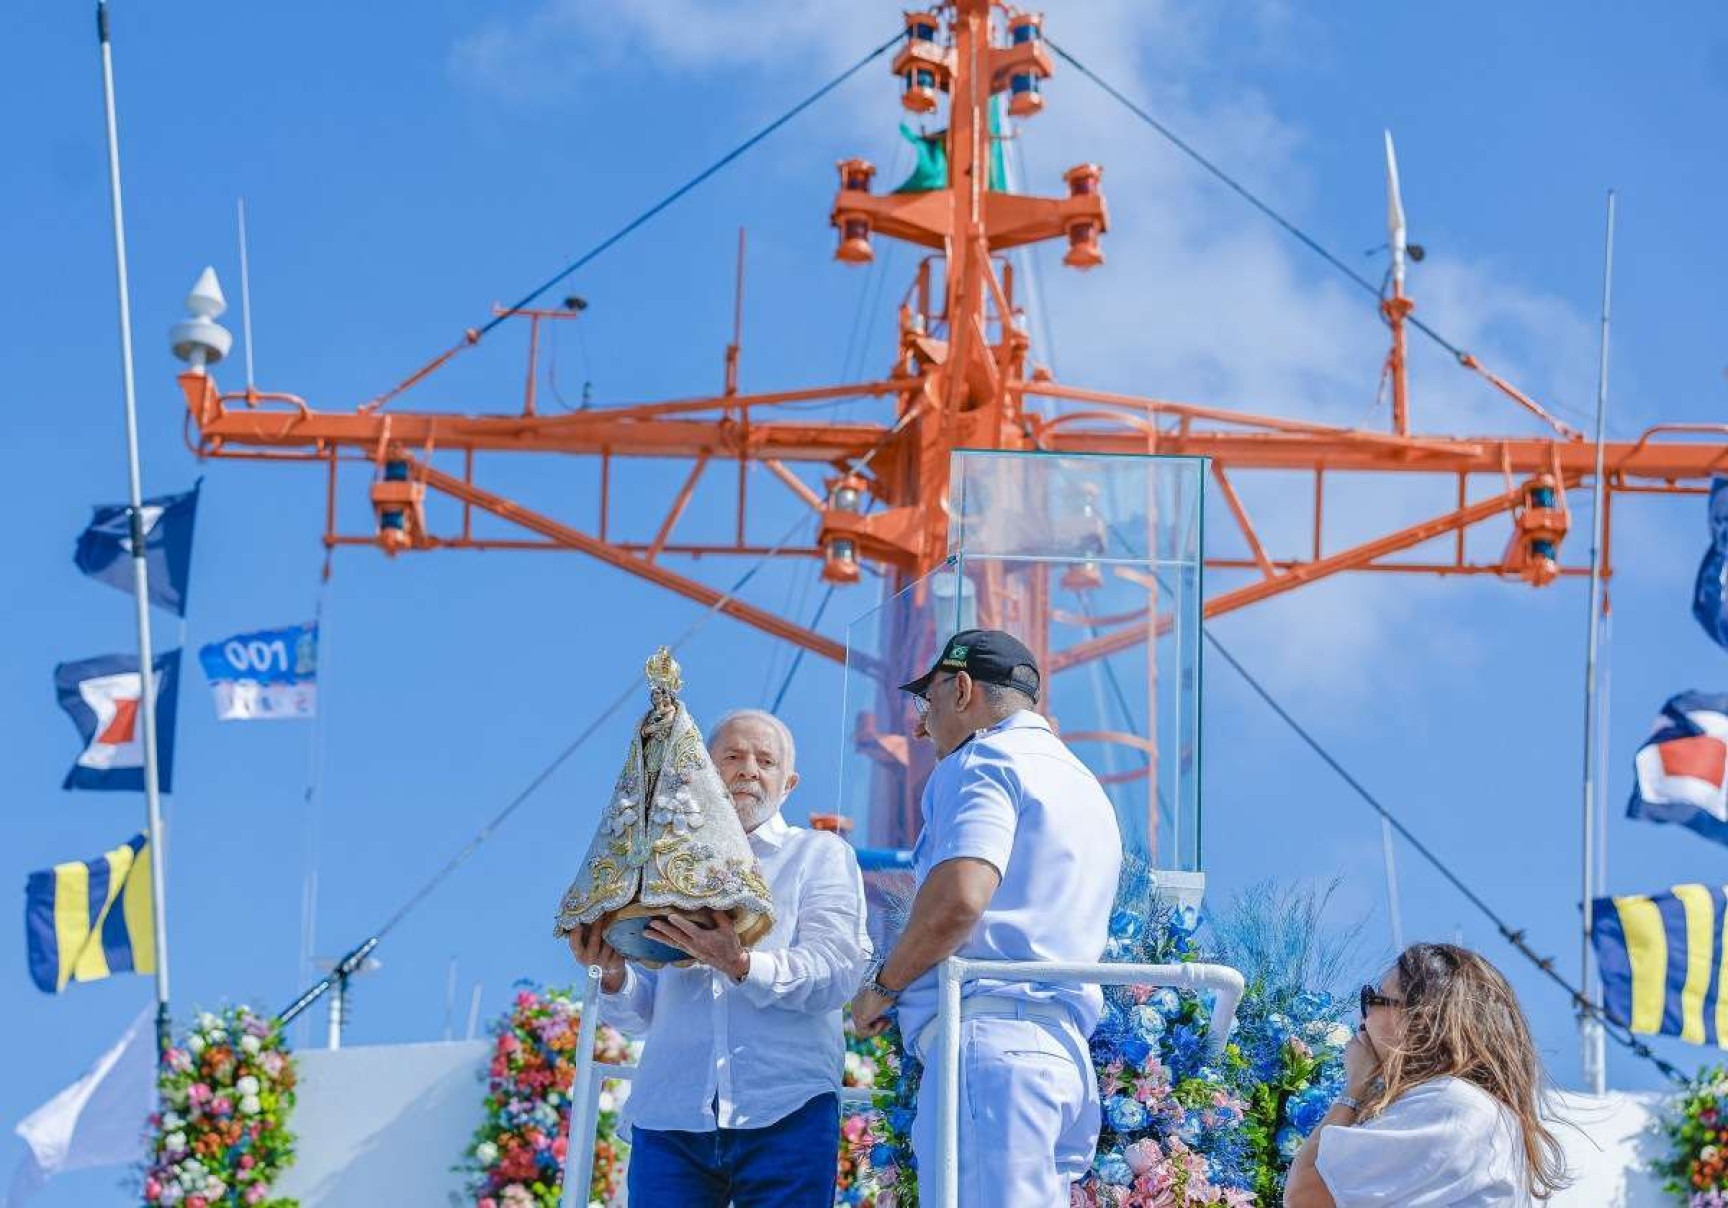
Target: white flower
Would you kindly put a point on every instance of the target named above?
(624, 814)
(249, 1105)
(1339, 1036)
(175, 1143)
(250, 1043)
(195, 1043)
(207, 1021)
(247, 1085)
(214, 1188)
(486, 1153)
(171, 1120)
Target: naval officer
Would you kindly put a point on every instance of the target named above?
(1018, 860)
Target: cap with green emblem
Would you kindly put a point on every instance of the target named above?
(989, 656)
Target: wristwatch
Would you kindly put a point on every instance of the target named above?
(873, 983)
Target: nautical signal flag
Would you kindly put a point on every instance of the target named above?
(89, 919)
(1710, 588)
(102, 696)
(1683, 766)
(264, 676)
(105, 547)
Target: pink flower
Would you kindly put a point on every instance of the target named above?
(152, 1188)
(246, 1161)
(198, 1092)
(486, 1201)
(560, 1147)
(1142, 1156)
(256, 1193)
(222, 1106)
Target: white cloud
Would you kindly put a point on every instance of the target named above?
(1201, 298)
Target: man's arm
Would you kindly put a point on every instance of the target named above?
(822, 966)
(626, 994)
(949, 904)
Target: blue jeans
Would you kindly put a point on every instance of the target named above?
(788, 1164)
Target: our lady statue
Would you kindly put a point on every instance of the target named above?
(669, 842)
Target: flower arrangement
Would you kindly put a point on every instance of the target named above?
(1696, 1125)
(516, 1158)
(222, 1136)
(870, 1063)
(1180, 1130)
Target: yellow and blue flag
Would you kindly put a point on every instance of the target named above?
(90, 918)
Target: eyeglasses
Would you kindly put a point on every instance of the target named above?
(921, 700)
(1371, 998)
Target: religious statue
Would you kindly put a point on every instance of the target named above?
(669, 842)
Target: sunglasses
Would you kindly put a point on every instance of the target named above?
(1371, 998)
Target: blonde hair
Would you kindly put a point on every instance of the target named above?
(1461, 1019)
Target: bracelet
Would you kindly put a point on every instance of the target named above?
(1348, 1101)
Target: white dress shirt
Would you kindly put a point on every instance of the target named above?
(1017, 798)
(1445, 1142)
(762, 1048)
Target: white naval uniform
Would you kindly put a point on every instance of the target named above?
(1016, 797)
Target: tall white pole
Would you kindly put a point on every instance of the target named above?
(140, 573)
(245, 294)
(1394, 914)
(1590, 1030)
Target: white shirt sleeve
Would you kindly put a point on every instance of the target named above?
(980, 822)
(631, 1010)
(1441, 1143)
(820, 969)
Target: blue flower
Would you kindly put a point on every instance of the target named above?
(883, 1156)
(1191, 1128)
(1207, 1074)
(1306, 1109)
(1147, 1021)
(1134, 1051)
(1309, 1004)
(1114, 1170)
(1126, 925)
(1124, 1113)
(1289, 1141)
(1167, 1001)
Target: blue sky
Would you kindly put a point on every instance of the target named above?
(407, 167)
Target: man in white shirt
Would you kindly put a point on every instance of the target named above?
(1018, 860)
(736, 1098)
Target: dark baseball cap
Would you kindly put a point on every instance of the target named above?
(989, 656)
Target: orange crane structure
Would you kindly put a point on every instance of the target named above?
(963, 377)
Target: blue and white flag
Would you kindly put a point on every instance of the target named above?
(105, 547)
(1683, 766)
(264, 676)
(1710, 591)
(102, 695)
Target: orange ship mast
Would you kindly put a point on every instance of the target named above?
(961, 379)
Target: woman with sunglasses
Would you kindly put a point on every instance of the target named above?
(1442, 1095)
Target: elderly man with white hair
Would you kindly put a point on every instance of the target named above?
(736, 1100)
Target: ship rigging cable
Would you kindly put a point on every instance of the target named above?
(1308, 241)
(1516, 937)
(474, 335)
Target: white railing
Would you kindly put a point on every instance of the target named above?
(953, 973)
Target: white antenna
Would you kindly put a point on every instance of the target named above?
(1396, 231)
(245, 295)
(474, 1011)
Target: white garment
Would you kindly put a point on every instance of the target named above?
(1445, 1142)
(1029, 1088)
(1016, 797)
(762, 1048)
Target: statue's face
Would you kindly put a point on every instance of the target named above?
(747, 753)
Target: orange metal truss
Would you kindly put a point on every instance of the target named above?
(961, 378)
